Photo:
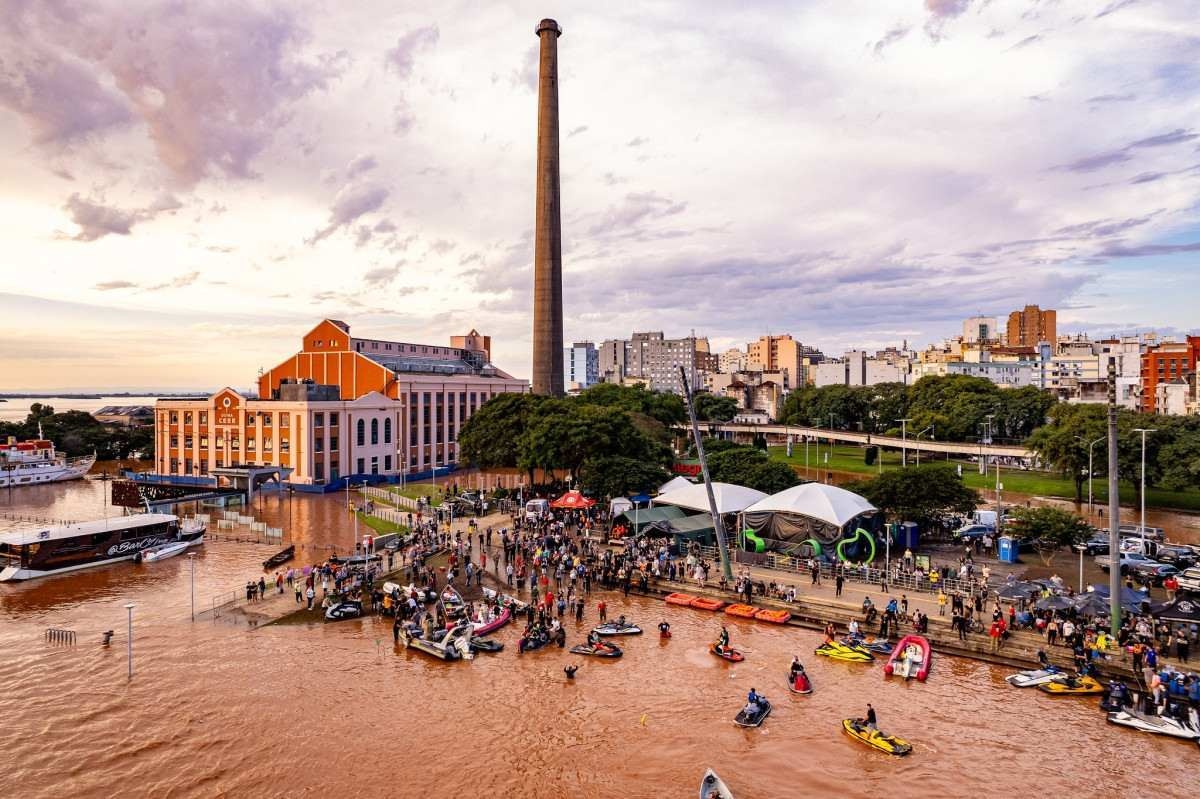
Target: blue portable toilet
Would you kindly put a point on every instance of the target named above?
(1008, 549)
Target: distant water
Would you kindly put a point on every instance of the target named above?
(15, 410)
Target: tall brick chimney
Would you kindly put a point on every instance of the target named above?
(547, 247)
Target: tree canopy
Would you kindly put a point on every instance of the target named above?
(1050, 529)
(750, 467)
(78, 433)
(927, 494)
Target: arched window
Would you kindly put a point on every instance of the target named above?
(362, 432)
(374, 431)
(387, 430)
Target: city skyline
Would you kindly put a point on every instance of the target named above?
(854, 175)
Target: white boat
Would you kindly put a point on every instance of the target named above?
(35, 462)
(1031, 679)
(164, 551)
(1188, 729)
(713, 787)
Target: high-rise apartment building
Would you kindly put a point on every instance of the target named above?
(980, 328)
(581, 365)
(782, 354)
(1031, 326)
(1167, 362)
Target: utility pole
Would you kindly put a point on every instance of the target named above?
(718, 527)
(1092, 444)
(903, 442)
(1114, 509)
(1142, 492)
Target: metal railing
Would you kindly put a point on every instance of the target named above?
(55, 635)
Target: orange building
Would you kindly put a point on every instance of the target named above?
(339, 407)
(1166, 363)
(1032, 326)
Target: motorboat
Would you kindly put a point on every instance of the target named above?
(346, 609)
(485, 645)
(454, 644)
(858, 729)
(726, 653)
(910, 658)
(163, 551)
(753, 715)
(617, 628)
(494, 597)
(878, 646)
(1187, 728)
(279, 558)
(713, 787)
(1035, 677)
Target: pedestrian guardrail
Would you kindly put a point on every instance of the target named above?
(55, 635)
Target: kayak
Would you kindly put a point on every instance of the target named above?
(741, 611)
(1072, 686)
(1188, 729)
(773, 616)
(732, 655)
(614, 628)
(800, 685)
(840, 651)
(1034, 678)
(744, 719)
(600, 650)
(858, 729)
(910, 658)
(712, 787)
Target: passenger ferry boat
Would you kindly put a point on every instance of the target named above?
(39, 553)
(36, 461)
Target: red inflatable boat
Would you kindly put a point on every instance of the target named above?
(910, 658)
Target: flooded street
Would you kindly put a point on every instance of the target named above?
(215, 709)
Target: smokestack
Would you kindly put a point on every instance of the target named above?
(547, 247)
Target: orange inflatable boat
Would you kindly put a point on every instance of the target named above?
(679, 599)
(773, 616)
(704, 603)
(742, 611)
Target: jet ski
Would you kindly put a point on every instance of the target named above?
(840, 651)
(485, 645)
(858, 729)
(1072, 686)
(534, 643)
(1036, 677)
(1187, 728)
(732, 655)
(712, 787)
(600, 650)
(762, 709)
(800, 685)
(347, 609)
(879, 646)
(1117, 698)
(616, 628)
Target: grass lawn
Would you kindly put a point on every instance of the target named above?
(1043, 484)
(382, 526)
(419, 490)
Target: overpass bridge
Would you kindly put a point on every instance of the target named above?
(779, 434)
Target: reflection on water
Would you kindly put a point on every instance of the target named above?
(335, 709)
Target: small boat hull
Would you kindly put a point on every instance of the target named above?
(744, 719)
(163, 552)
(713, 787)
(612, 628)
(601, 650)
(859, 731)
(732, 655)
(848, 652)
(1073, 686)
(1188, 730)
(800, 685)
(910, 658)
(1035, 677)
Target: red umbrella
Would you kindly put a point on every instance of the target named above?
(572, 500)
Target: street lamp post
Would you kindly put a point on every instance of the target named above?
(129, 639)
(923, 432)
(1090, 469)
(903, 441)
(1142, 492)
(192, 580)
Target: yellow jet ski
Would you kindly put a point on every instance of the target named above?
(1072, 686)
(857, 728)
(839, 651)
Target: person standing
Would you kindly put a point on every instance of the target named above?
(872, 719)
(603, 610)
(837, 583)
(1182, 646)
(941, 600)
(311, 594)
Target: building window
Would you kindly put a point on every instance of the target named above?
(284, 420)
(187, 417)
(374, 432)
(187, 442)
(333, 443)
(318, 419)
(203, 417)
(318, 444)
(203, 441)
(268, 445)
(250, 445)
(387, 430)
(387, 463)
(235, 443)
(252, 419)
(361, 432)
(285, 445)
(174, 417)
(266, 420)
(333, 420)
(362, 468)
(319, 470)
(375, 465)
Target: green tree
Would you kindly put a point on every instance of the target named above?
(1050, 529)
(616, 475)
(1062, 443)
(927, 494)
(667, 408)
(714, 408)
(750, 467)
(1180, 458)
(490, 438)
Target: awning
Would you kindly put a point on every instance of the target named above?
(1185, 610)
(573, 500)
(831, 504)
(730, 498)
(618, 505)
(674, 483)
(644, 516)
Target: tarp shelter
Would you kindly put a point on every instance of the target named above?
(694, 496)
(685, 530)
(674, 483)
(573, 500)
(637, 518)
(810, 511)
(619, 505)
(1185, 610)
(1131, 599)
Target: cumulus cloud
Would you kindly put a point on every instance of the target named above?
(635, 210)
(113, 285)
(355, 200)
(402, 57)
(361, 164)
(96, 220)
(383, 275)
(895, 34)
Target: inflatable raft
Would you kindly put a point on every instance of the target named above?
(704, 603)
(679, 599)
(773, 616)
(910, 658)
(741, 611)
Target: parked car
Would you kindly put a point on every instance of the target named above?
(972, 531)
(1189, 580)
(1127, 562)
(1153, 573)
(1137, 531)
(1177, 555)
(1096, 545)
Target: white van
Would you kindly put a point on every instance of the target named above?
(1138, 546)
(536, 509)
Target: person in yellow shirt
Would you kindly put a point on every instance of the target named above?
(941, 603)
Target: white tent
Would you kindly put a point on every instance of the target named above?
(674, 483)
(619, 505)
(831, 504)
(730, 498)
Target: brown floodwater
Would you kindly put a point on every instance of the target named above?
(333, 709)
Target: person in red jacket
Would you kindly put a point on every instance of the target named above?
(1171, 585)
(994, 632)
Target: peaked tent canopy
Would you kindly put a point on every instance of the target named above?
(619, 505)
(674, 483)
(572, 500)
(1185, 610)
(830, 504)
(730, 498)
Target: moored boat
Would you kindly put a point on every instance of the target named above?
(34, 462)
(1187, 728)
(617, 628)
(1035, 677)
(713, 787)
(842, 651)
(910, 658)
(279, 558)
(163, 551)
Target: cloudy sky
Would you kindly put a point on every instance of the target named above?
(189, 186)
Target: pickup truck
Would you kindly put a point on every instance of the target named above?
(1189, 580)
(1178, 555)
(1127, 562)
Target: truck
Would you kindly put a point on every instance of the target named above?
(1189, 580)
